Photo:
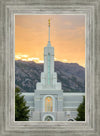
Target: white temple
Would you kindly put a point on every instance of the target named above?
(48, 102)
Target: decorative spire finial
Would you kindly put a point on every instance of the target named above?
(49, 22)
(49, 30)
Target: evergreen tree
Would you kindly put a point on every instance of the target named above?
(21, 110)
(81, 111)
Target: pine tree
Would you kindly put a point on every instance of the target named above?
(81, 111)
(21, 110)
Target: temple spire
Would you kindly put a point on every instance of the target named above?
(49, 30)
(49, 44)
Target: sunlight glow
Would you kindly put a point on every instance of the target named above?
(64, 60)
(27, 58)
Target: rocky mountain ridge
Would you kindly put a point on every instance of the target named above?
(71, 75)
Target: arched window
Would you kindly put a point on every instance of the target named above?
(48, 118)
(48, 104)
(71, 120)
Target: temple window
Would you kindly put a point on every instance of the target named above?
(48, 104)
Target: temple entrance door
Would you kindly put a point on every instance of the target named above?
(48, 118)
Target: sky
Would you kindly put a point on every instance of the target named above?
(67, 36)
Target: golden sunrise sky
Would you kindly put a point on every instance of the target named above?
(67, 36)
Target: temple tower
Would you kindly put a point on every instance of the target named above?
(48, 94)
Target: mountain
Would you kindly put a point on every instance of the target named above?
(71, 75)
